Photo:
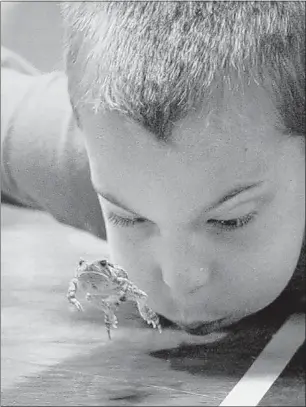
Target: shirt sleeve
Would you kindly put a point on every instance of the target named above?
(44, 164)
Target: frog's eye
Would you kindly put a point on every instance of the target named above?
(103, 263)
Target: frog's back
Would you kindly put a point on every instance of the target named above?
(120, 272)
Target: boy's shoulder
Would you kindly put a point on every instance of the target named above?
(11, 60)
(26, 90)
(44, 162)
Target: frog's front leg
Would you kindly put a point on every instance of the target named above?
(108, 308)
(147, 313)
(72, 289)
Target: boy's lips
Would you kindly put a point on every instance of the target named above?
(203, 328)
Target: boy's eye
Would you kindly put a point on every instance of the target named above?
(124, 222)
(232, 224)
(227, 225)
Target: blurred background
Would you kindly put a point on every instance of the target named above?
(33, 30)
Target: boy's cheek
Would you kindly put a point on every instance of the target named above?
(132, 253)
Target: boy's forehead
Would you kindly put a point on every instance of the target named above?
(228, 117)
(233, 142)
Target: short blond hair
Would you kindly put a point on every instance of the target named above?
(156, 61)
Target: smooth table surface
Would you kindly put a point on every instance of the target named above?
(51, 355)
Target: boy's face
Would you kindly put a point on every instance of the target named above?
(210, 225)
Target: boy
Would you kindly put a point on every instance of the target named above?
(192, 117)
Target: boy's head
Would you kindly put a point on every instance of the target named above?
(194, 120)
(156, 62)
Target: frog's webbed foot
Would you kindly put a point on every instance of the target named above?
(76, 303)
(148, 314)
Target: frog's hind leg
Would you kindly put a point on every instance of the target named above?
(148, 314)
(109, 308)
(110, 321)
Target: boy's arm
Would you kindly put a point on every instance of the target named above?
(44, 164)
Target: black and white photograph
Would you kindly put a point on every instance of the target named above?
(153, 203)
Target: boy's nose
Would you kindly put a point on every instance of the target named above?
(185, 280)
(186, 267)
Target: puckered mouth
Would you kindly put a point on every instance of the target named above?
(203, 328)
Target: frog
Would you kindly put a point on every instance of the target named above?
(107, 286)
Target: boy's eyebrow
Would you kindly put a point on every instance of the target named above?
(234, 192)
(229, 195)
(113, 200)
